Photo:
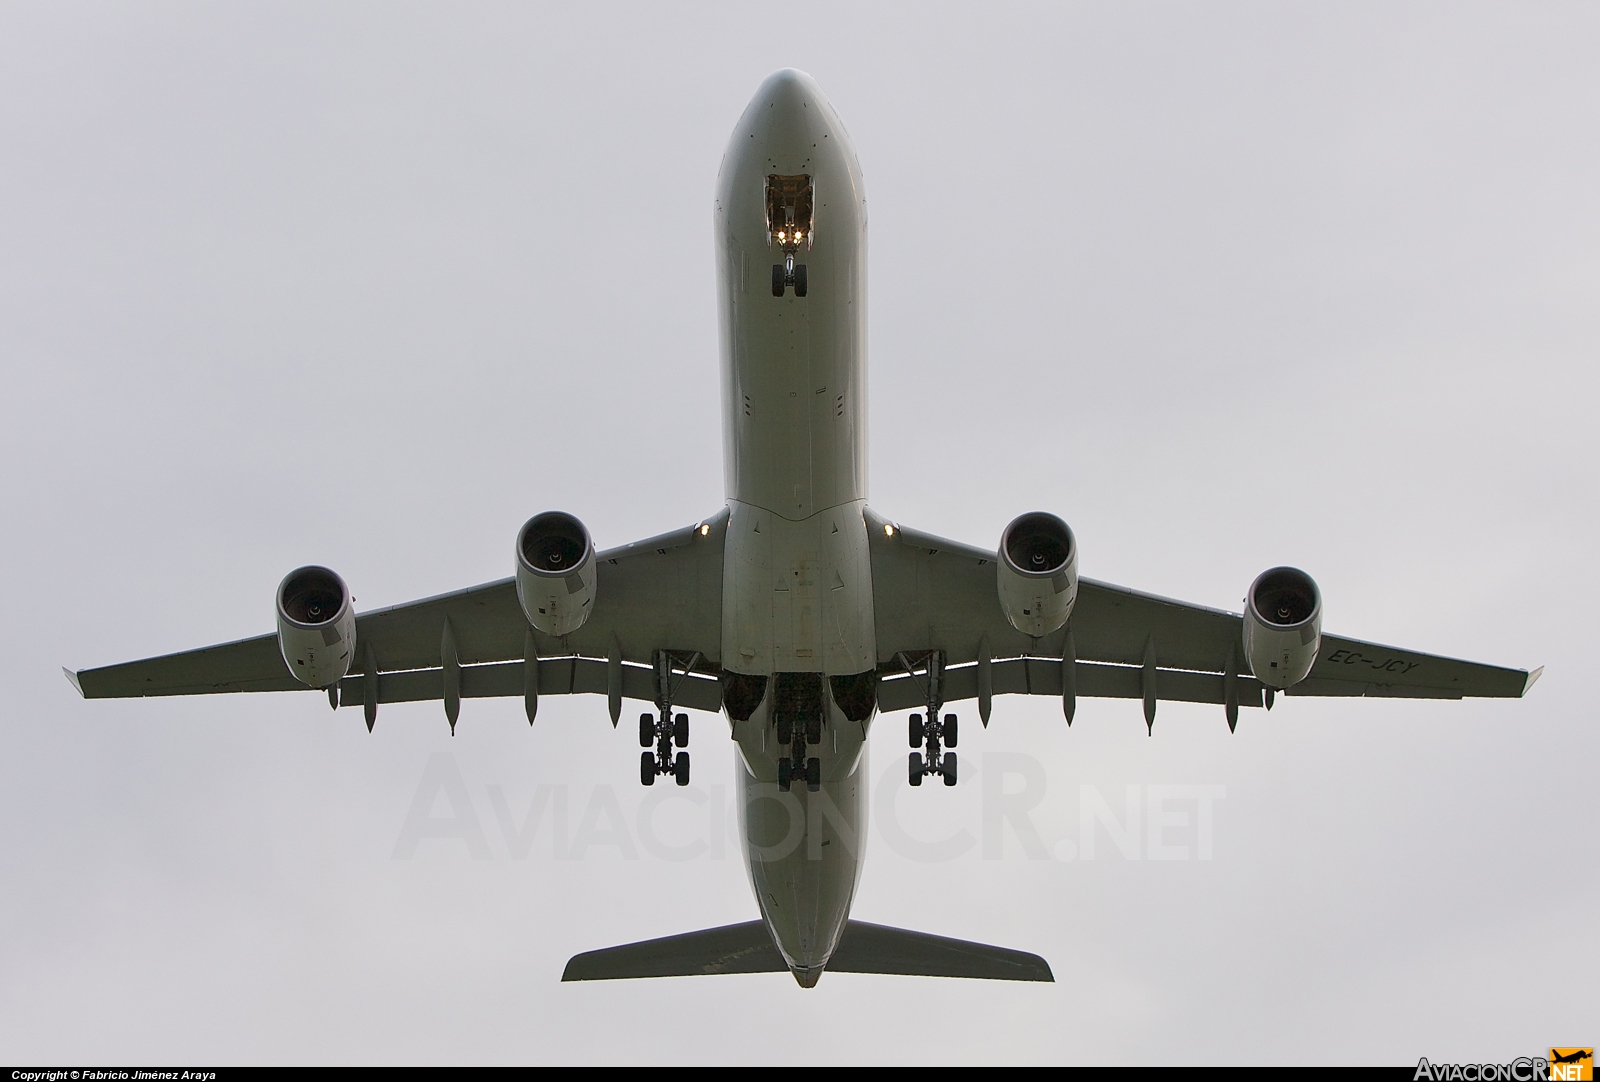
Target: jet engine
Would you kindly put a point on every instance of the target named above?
(316, 626)
(1038, 573)
(1282, 626)
(555, 572)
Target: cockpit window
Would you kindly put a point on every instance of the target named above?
(789, 211)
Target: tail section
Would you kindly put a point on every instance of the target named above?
(863, 948)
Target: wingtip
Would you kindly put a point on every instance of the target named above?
(72, 676)
(1533, 678)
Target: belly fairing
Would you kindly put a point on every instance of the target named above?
(797, 596)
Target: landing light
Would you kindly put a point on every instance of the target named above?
(888, 530)
(780, 234)
(704, 529)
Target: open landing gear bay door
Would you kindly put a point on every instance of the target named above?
(931, 595)
(658, 604)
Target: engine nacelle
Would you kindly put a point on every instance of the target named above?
(555, 572)
(1282, 626)
(316, 626)
(1038, 573)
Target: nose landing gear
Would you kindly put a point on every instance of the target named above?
(790, 204)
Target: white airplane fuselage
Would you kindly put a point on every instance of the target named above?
(797, 587)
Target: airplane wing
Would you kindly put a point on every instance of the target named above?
(661, 599)
(934, 594)
(661, 594)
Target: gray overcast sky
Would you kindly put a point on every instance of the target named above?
(1225, 285)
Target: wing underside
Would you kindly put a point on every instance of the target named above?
(932, 594)
(654, 597)
(662, 598)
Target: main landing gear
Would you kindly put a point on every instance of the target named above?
(810, 772)
(664, 729)
(928, 734)
(663, 732)
(797, 707)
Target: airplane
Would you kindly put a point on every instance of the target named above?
(1577, 1055)
(796, 610)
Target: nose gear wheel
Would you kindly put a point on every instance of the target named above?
(789, 273)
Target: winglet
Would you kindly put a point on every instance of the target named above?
(74, 678)
(1533, 678)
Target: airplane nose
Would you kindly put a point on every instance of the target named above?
(791, 132)
(786, 101)
(789, 83)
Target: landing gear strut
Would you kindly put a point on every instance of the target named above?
(929, 733)
(664, 729)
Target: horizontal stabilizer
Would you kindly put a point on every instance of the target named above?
(864, 948)
(733, 948)
(877, 948)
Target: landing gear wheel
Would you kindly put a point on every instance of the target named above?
(680, 769)
(647, 730)
(813, 774)
(799, 279)
(647, 769)
(916, 730)
(777, 280)
(785, 731)
(949, 730)
(916, 768)
(680, 730)
(814, 730)
(948, 768)
(783, 774)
